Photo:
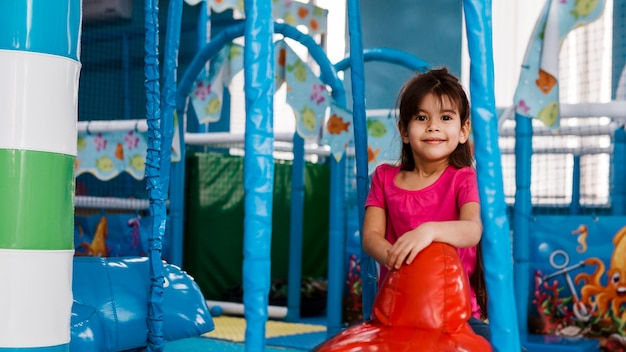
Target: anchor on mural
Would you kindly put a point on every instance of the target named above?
(559, 259)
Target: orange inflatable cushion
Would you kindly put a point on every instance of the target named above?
(424, 306)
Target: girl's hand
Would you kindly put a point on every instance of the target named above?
(408, 246)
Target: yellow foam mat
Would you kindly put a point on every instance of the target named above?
(234, 328)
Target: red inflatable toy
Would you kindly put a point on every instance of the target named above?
(421, 307)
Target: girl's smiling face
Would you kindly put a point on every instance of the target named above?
(435, 130)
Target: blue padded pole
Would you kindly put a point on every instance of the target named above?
(618, 194)
(168, 109)
(357, 75)
(204, 21)
(203, 24)
(258, 172)
(522, 213)
(336, 246)
(153, 177)
(496, 239)
(295, 230)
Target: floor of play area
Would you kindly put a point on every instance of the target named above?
(280, 336)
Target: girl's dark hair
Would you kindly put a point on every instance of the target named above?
(442, 84)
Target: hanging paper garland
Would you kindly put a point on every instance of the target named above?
(105, 155)
(207, 96)
(294, 13)
(383, 141)
(306, 94)
(338, 131)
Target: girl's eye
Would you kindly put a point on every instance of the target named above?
(420, 118)
(446, 118)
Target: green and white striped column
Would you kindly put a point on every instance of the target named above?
(39, 71)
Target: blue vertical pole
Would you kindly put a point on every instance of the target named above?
(336, 245)
(153, 177)
(295, 230)
(522, 214)
(204, 21)
(168, 100)
(258, 166)
(496, 239)
(618, 194)
(357, 64)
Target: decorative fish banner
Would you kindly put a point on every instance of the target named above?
(306, 94)
(295, 13)
(207, 95)
(383, 141)
(338, 131)
(106, 155)
(537, 94)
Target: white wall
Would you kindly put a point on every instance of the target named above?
(513, 23)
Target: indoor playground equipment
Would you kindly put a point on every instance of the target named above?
(48, 302)
(258, 57)
(562, 282)
(258, 164)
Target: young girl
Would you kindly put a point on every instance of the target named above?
(432, 195)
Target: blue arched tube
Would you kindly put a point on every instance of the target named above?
(496, 240)
(153, 177)
(393, 56)
(328, 74)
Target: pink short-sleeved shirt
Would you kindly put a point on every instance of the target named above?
(441, 201)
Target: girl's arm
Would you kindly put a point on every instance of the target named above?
(465, 232)
(373, 234)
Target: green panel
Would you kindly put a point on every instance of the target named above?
(213, 248)
(36, 200)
